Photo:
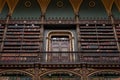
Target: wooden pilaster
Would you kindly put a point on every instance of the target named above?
(5, 30)
(115, 33)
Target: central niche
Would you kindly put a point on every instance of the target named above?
(60, 43)
(60, 40)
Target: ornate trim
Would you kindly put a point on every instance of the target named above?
(28, 4)
(60, 4)
(92, 4)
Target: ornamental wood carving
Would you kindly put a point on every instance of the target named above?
(2, 3)
(12, 4)
(117, 2)
(76, 5)
(43, 5)
(108, 5)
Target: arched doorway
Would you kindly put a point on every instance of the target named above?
(59, 45)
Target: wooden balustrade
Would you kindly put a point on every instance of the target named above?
(59, 21)
(76, 58)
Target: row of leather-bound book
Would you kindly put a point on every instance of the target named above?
(98, 37)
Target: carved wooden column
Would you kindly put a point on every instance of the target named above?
(42, 29)
(78, 30)
(84, 73)
(43, 5)
(5, 30)
(40, 55)
(114, 30)
(36, 74)
(108, 6)
(76, 6)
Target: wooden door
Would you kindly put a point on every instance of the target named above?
(60, 46)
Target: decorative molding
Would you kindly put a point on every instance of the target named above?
(31, 71)
(92, 3)
(60, 4)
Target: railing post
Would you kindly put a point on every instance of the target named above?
(36, 76)
(84, 74)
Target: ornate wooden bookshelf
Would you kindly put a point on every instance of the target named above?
(1, 34)
(22, 43)
(97, 39)
(118, 33)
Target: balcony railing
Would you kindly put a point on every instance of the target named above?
(60, 21)
(60, 58)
